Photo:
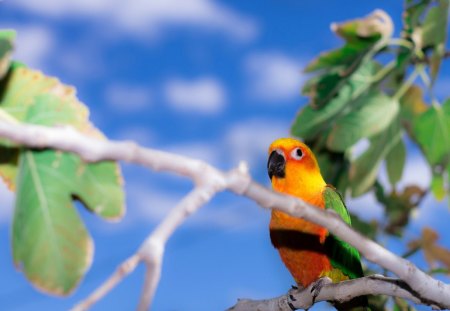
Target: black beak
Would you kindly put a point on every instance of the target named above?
(276, 165)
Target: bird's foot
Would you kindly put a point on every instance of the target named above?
(317, 287)
(291, 298)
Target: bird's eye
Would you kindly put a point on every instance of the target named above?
(297, 154)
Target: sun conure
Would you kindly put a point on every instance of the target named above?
(308, 250)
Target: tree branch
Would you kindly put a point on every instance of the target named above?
(427, 289)
(336, 292)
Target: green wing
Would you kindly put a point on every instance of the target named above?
(342, 255)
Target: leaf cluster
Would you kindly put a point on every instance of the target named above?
(365, 107)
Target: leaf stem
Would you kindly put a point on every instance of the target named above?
(405, 86)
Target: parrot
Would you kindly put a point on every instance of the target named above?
(309, 251)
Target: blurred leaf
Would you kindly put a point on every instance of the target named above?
(437, 186)
(433, 253)
(334, 168)
(325, 89)
(360, 35)
(377, 303)
(365, 30)
(7, 38)
(434, 34)
(50, 243)
(374, 112)
(412, 105)
(401, 305)
(395, 162)
(434, 27)
(413, 13)
(398, 206)
(364, 170)
(369, 229)
(348, 56)
(432, 131)
(310, 122)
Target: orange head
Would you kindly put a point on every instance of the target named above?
(293, 168)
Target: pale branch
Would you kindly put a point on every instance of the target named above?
(427, 289)
(337, 292)
(121, 272)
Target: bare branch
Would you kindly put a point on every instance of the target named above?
(336, 292)
(121, 272)
(427, 289)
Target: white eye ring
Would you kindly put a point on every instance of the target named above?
(297, 154)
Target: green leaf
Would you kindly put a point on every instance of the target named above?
(310, 121)
(7, 38)
(432, 131)
(434, 27)
(374, 112)
(437, 186)
(50, 243)
(395, 162)
(413, 13)
(364, 170)
(434, 34)
(360, 35)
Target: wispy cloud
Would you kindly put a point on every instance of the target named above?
(205, 95)
(273, 76)
(6, 204)
(33, 45)
(250, 139)
(128, 98)
(141, 16)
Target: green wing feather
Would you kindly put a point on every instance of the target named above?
(342, 255)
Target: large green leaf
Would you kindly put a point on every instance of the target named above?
(364, 170)
(6, 45)
(50, 243)
(374, 112)
(432, 131)
(310, 121)
(395, 162)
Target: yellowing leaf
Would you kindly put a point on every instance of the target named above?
(432, 251)
(437, 186)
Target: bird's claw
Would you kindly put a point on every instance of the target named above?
(317, 287)
(291, 297)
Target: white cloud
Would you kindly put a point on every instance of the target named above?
(6, 204)
(208, 152)
(249, 140)
(33, 45)
(138, 134)
(128, 98)
(273, 76)
(142, 16)
(204, 95)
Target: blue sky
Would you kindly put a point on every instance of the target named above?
(216, 80)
